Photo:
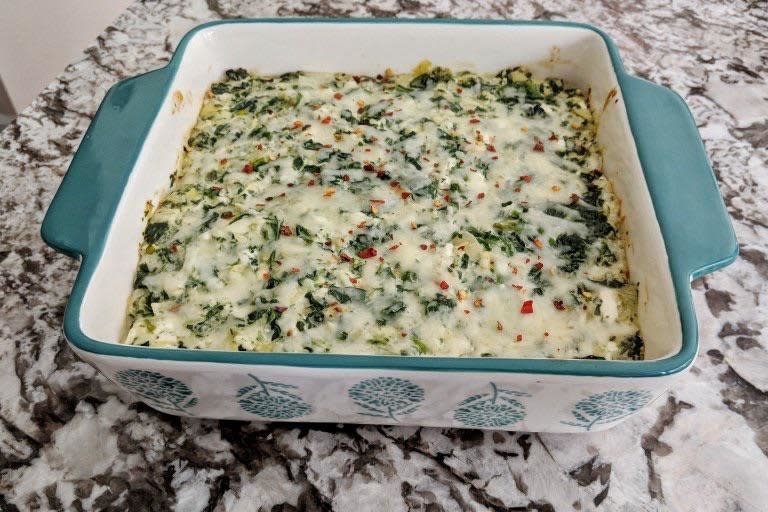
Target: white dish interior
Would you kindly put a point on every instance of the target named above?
(577, 55)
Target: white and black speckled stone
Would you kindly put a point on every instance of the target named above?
(67, 442)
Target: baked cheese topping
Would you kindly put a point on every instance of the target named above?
(434, 213)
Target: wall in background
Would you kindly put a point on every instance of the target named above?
(6, 107)
(39, 38)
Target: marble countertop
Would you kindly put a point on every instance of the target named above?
(70, 441)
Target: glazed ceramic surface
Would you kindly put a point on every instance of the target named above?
(653, 154)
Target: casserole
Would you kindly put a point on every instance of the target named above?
(451, 215)
(653, 155)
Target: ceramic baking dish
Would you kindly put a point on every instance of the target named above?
(677, 222)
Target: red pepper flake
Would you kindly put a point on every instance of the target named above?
(265, 276)
(538, 243)
(546, 333)
(474, 121)
(519, 337)
(558, 305)
(297, 124)
(538, 266)
(326, 120)
(574, 198)
(345, 257)
(494, 158)
(290, 185)
(227, 215)
(554, 136)
(295, 270)
(443, 285)
(223, 161)
(394, 184)
(491, 148)
(353, 280)
(539, 146)
(376, 201)
(280, 309)
(517, 286)
(481, 195)
(405, 195)
(345, 177)
(369, 167)
(174, 248)
(447, 198)
(247, 168)
(403, 334)
(338, 96)
(216, 189)
(381, 259)
(368, 252)
(527, 308)
(526, 178)
(423, 247)
(394, 247)
(311, 183)
(327, 243)
(286, 230)
(499, 326)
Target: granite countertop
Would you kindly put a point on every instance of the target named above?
(70, 441)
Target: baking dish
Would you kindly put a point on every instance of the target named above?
(676, 218)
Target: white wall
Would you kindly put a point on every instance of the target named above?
(38, 38)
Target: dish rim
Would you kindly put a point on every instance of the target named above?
(681, 275)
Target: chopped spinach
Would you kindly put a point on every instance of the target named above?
(573, 250)
(438, 302)
(347, 293)
(155, 231)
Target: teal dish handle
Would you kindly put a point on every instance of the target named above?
(694, 222)
(84, 205)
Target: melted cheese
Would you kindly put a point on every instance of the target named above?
(442, 213)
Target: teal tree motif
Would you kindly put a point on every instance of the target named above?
(387, 397)
(491, 410)
(607, 407)
(161, 391)
(272, 400)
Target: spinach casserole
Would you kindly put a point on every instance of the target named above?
(440, 212)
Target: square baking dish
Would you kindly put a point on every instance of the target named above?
(676, 219)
